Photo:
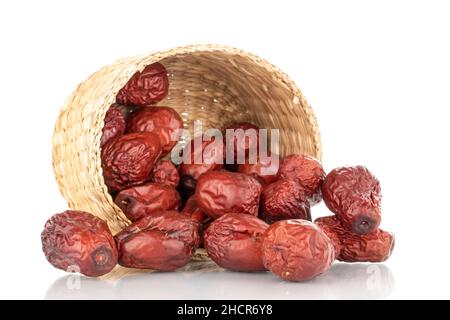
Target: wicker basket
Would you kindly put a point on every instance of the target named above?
(215, 84)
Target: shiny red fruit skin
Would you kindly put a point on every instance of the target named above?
(114, 125)
(265, 169)
(146, 87)
(79, 241)
(209, 156)
(128, 160)
(376, 246)
(165, 172)
(165, 122)
(192, 209)
(233, 241)
(222, 192)
(305, 170)
(138, 202)
(353, 194)
(164, 241)
(284, 199)
(297, 250)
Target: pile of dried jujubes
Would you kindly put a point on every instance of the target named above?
(248, 217)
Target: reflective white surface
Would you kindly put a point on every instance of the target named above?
(343, 281)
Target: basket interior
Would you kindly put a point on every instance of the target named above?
(220, 88)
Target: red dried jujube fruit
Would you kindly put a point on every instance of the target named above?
(138, 202)
(265, 169)
(233, 241)
(146, 87)
(222, 192)
(284, 199)
(79, 241)
(192, 209)
(353, 194)
(114, 125)
(305, 170)
(164, 241)
(376, 246)
(165, 122)
(199, 156)
(165, 172)
(128, 160)
(297, 250)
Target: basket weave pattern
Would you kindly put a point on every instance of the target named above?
(215, 84)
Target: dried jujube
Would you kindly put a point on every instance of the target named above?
(128, 160)
(114, 125)
(165, 172)
(265, 169)
(376, 246)
(297, 250)
(305, 170)
(199, 156)
(222, 192)
(353, 194)
(284, 199)
(192, 209)
(145, 87)
(233, 241)
(164, 241)
(138, 202)
(79, 241)
(165, 122)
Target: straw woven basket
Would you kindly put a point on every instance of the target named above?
(215, 84)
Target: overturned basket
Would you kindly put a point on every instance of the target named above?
(215, 84)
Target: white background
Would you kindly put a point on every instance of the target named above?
(377, 74)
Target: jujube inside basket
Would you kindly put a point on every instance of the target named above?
(215, 84)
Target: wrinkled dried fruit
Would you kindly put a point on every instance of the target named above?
(284, 199)
(165, 172)
(296, 250)
(243, 138)
(165, 122)
(146, 87)
(354, 195)
(164, 241)
(234, 242)
(265, 169)
(192, 209)
(77, 241)
(373, 247)
(199, 156)
(128, 160)
(222, 192)
(114, 125)
(330, 225)
(305, 170)
(138, 202)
